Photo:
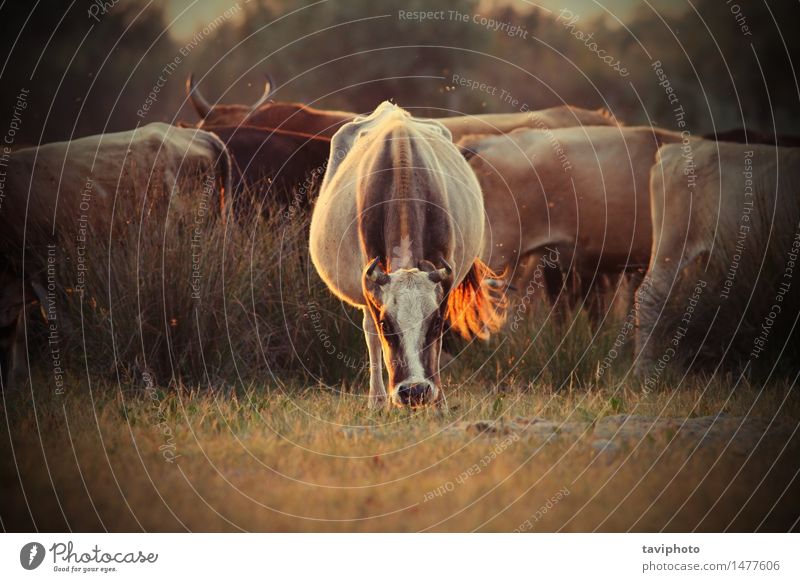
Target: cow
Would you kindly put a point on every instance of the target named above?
(298, 117)
(397, 232)
(282, 163)
(726, 239)
(749, 136)
(501, 123)
(577, 197)
(268, 114)
(58, 192)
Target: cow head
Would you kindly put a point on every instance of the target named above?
(223, 114)
(408, 307)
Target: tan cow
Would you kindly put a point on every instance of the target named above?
(62, 191)
(723, 284)
(578, 196)
(500, 123)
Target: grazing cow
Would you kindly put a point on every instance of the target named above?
(283, 160)
(742, 135)
(578, 196)
(62, 191)
(726, 239)
(397, 231)
(269, 114)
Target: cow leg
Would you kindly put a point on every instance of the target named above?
(553, 281)
(8, 354)
(651, 297)
(11, 313)
(594, 296)
(377, 391)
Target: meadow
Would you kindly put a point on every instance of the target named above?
(213, 384)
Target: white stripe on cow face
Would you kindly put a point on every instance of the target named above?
(412, 311)
(407, 303)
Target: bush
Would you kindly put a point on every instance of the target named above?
(188, 296)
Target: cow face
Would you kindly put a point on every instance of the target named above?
(408, 308)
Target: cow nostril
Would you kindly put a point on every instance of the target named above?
(414, 394)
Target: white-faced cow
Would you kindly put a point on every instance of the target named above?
(58, 192)
(397, 231)
(578, 196)
(722, 285)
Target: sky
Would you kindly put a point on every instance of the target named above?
(622, 9)
(191, 15)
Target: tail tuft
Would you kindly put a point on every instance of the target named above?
(475, 308)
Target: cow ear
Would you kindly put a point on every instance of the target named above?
(440, 275)
(443, 274)
(375, 273)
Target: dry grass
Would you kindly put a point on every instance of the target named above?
(308, 459)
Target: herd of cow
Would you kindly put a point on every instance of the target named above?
(425, 221)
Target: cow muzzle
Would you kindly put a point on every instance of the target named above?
(414, 394)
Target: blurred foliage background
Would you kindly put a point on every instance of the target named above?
(92, 74)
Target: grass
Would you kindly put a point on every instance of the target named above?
(245, 409)
(306, 458)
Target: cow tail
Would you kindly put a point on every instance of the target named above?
(224, 174)
(475, 308)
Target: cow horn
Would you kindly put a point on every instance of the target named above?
(198, 101)
(268, 88)
(442, 274)
(426, 266)
(375, 272)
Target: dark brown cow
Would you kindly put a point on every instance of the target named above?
(266, 113)
(282, 164)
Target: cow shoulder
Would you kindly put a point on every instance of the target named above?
(345, 138)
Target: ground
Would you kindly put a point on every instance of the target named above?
(131, 458)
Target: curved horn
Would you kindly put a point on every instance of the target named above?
(269, 85)
(375, 272)
(198, 101)
(442, 274)
(268, 88)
